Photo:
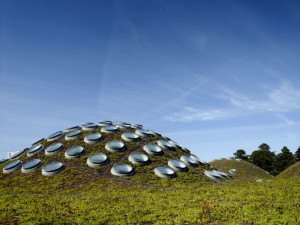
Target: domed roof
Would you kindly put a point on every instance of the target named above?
(106, 150)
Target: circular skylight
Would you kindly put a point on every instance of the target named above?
(38, 141)
(224, 175)
(31, 166)
(198, 160)
(53, 149)
(122, 170)
(174, 144)
(88, 123)
(212, 175)
(115, 146)
(17, 155)
(188, 161)
(109, 129)
(93, 138)
(164, 172)
(55, 136)
(139, 158)
(164, 144)
(177, 165)
(232, 171)
(185, 149)
(73, 135)
(52, 168)
(74, 152)
(123, 125)
(143, 133)
(35, 150)
(13, 166)
(73, 128)
(89, 126)
(138, 126)
(153, 149)
(154, 133)
(105, 123)
(97, 160)
(130, 137)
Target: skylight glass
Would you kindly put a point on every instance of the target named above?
(73, 128)
(54, 149)
(177, 165)
(31, 166)
(97, 160)
(130, 137)
(13, 166)
(164, 172)
(17, 155)
(105, 123)
(52, 168)
(153, 149)
(74, 152)
(35, 150)
(115, 146)
(143, 133)
(188, 161)
(73, 135)
(139, 158)
(93, 138)
(89, 126)
(109, 129)
(164, 144)
(55, 136)
(122, 170)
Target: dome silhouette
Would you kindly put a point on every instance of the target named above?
(106, 152)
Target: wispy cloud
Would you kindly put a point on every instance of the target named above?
(190, 114)
(283, 99)
(286, 98)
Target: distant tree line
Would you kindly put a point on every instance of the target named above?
(268, 160)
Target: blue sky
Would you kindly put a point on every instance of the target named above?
(214, 76)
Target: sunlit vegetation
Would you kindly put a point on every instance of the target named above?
(244, 169)
(293, 172)
(84, 195)
(114, 202)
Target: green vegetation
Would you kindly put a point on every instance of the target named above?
(83, 195)
(244, 170)
(114, 202)
(293, 172)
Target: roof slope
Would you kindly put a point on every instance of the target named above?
(76, 171)
(292, 172)
(244, 169)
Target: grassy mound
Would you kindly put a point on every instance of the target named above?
(244, 170)
(292, 172)
(78, 173)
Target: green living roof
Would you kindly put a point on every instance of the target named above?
(88, 154)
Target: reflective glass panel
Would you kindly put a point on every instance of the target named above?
(52, 166)
(12, 165)
(31, 164)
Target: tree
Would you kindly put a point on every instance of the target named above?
(284, 159)
(297, 154)
(264, 147)
(241, 154)
(264, 158)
